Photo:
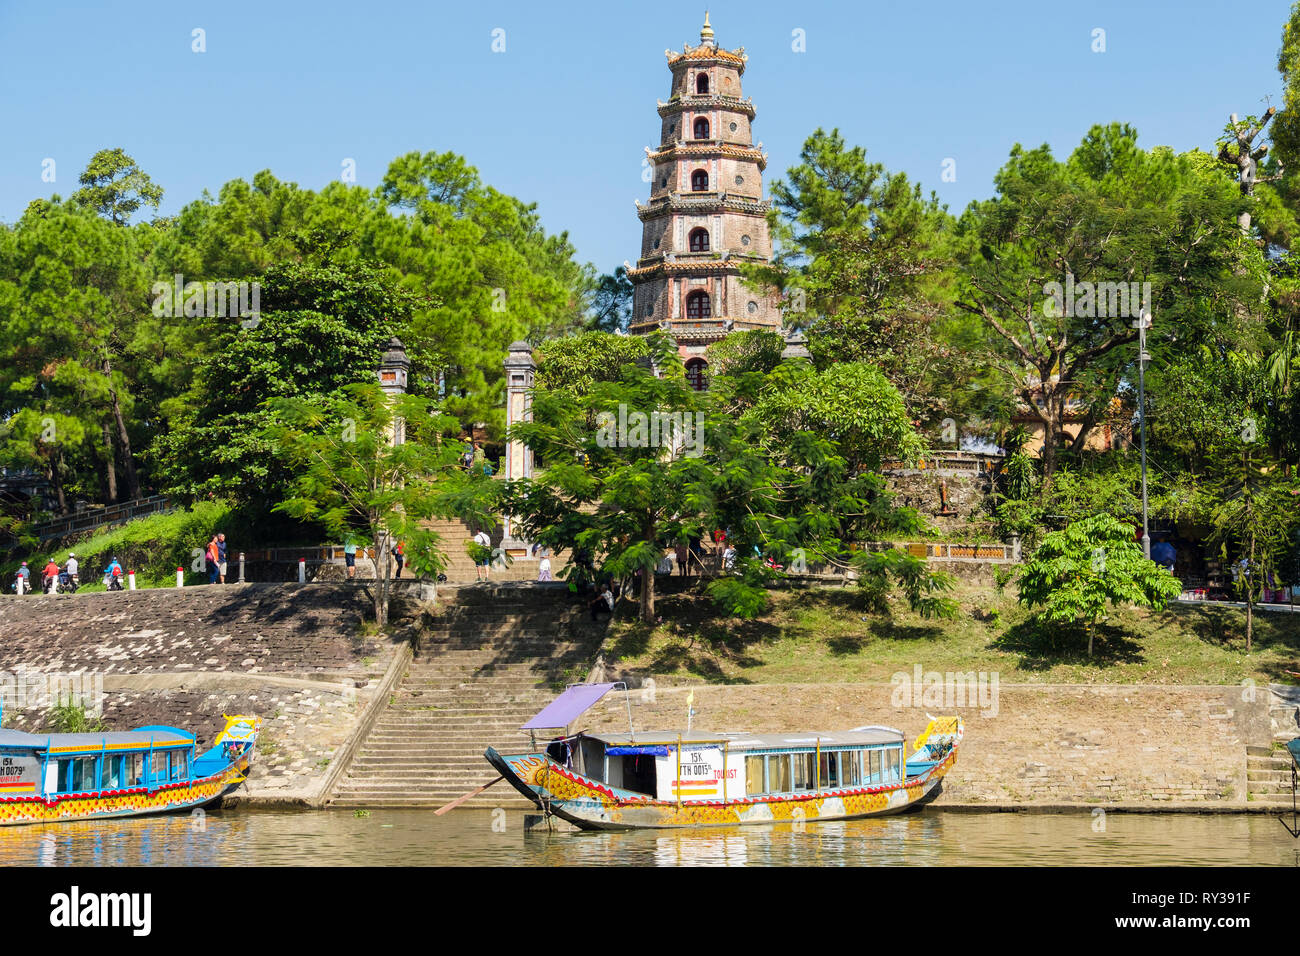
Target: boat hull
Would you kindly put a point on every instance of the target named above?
(593, 806)
(131, 802)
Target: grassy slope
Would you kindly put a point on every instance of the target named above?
(824, 635)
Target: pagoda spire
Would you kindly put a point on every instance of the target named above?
(706, 32)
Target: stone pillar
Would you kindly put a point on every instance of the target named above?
(520, 369)
(393, 370)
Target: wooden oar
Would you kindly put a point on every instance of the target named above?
(459, 800)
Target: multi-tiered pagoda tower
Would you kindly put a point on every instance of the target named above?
(706, 213)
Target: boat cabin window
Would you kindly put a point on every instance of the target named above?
(754, 776)
(158, 767)
(873, 763)
(778, 773)
(829, 769)
(892, 762)
(114, 773)
(635, 772)
(134, 770)
(850, 770)
(804, 771)
(179, 769)
(77, 773)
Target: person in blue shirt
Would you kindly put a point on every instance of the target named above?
(1164, 554)
(221, 558)
(113, 576)
(26, 575)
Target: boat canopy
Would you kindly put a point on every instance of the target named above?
(140, 739)
(569, 706)
(866, 736)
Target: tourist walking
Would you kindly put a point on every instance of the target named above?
(221, 558)
(350, 556)
(210, 558)
(544, 569)
(484, 556)
(399, 555)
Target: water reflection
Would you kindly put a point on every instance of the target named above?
(468, 838)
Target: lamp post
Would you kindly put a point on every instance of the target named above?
(1142, 324)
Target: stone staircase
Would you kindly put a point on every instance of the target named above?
(1268, 770)
(492, 657)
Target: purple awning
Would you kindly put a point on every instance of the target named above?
(566, 708)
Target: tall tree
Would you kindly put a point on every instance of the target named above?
(1060, 264)
(114, 186)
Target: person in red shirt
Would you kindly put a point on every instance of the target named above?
(50, 576)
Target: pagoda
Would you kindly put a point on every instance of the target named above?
(706, 215)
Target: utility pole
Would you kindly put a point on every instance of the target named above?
(1142, 324)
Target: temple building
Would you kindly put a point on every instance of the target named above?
(706, 215)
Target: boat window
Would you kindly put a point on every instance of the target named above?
(134, 770)
(158, 767)
(778, 773)
(754, 776)
(178, 765)
(81, 774)
(850, 772)
(891, 765)
(873, 767)
(829, 775)
(113, 773)
(803, 770)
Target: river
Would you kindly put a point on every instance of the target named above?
(485, 838)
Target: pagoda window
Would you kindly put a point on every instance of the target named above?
(701, 128)
(698, 306)
(699, 181)
(696, 378)
(702, 83)
(699, 239)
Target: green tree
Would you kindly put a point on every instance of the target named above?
(1112, 216)
(114, 186)
(350, 477)
(1075, 573)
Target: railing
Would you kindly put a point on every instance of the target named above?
(948, 460)
(996, 552)
(100, 517)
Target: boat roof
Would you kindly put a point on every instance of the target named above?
(859, 736)
(142, 738)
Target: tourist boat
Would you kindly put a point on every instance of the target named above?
(47, 778)
(615, 781)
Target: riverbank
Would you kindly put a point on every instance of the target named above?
(1041, 747)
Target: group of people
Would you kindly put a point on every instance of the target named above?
(66, 578)
(473, 459)
(398, 551)
(215, 559)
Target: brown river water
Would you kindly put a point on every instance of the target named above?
(487, 838)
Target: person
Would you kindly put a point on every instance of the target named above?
(25, 574)
(50, 576)
(113, 576)
(210, 557)
(544, 569)
(604, 603)
(221, 558)
(729, 558)
(1164, 554)
(350, 556)
(399, 555)
(72, 569)
(483, 541)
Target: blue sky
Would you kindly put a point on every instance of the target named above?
(561, 117)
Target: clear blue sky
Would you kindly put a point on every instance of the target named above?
(562, 115)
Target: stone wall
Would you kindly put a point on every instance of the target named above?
(1046, 745)
(295, 655)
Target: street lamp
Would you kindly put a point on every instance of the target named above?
(1142, 324)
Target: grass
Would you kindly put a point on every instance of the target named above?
(73, 719)
(827, 636)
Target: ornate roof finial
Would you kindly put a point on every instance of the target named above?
(706, 32)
